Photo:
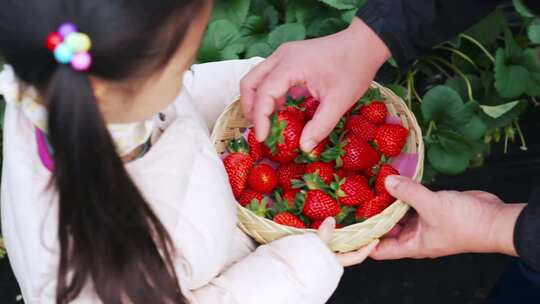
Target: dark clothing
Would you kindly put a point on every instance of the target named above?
(412, 27)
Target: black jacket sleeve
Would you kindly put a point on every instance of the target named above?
(412, 27)
(527, 232)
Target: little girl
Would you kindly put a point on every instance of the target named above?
(111, 189)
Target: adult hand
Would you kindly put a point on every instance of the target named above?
(448, 222)
(345, 259)
(336, 70)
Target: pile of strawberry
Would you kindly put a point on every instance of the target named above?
(343, 177)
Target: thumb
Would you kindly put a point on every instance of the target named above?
(323, 122)
(326, 229)
(411, 192)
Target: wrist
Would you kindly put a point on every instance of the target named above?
(501, 232)
(364, 39)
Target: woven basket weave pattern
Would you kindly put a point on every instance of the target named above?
(232, 124)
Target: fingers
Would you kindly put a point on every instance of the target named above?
(250, 82)
(270, 91)
(392, 248)
(357, 257)
(323, 122)
(411, 192)
(327, 229)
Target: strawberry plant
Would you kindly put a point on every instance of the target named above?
(467, 93)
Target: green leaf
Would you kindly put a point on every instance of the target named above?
(534, 31)
(348, 16)
(399, 90)
(325, 27)
(522, 9)
(260, 49)
(234, 11)
(511, 80)
(474, 129)
(458, 83)
(271, 17)
(506, 118)
(341, 4)
(488, 29)
(218, 37)
(441, 102)
(445, 161)
(500, 110)
(254, 24)
(285, 33)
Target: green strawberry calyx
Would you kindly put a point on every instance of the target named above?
(295, 103)
(238, 145)
(258, 207)
(276, 133)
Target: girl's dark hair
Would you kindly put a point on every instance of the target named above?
(109, 236)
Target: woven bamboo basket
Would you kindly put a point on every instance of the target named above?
(232, 124)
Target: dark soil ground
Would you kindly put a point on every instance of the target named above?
(462, 279)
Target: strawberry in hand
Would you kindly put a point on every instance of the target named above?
(283, 144)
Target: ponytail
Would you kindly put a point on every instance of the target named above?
(107, 232)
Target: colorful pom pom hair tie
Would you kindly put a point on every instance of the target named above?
(71, 47)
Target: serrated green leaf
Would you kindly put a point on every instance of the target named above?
(522, 9)
(271, 17)
(488, 29)
(325, 27)
(341, 4)
(220, 35)
(285, 33)
(511, 80)
(234, 11)
(260, 49)
(474, 129)
(500, 110)
(441, 102)
(506, 118)
(458, 84)
(446, 162)
(399, 90)
(347, 16)
(534, 31)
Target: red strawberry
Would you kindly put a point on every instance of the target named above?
(390, 139)
(310, 106)
(315, 154)
(359, 126)
(325, 171)
(384, 171)
(289, 219)
(238, 165)
(254, 146)
(353, 191)
(290, 197)
(374, 206)
(358, 154)
(288, 172)
(319, 205)
(294, 106)
(375, 112)
(342, 173)
(263, 178)
(283, 144)
(248, 196)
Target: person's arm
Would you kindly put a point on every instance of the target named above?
(338, 69)
(527, 232)
(410, 28)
